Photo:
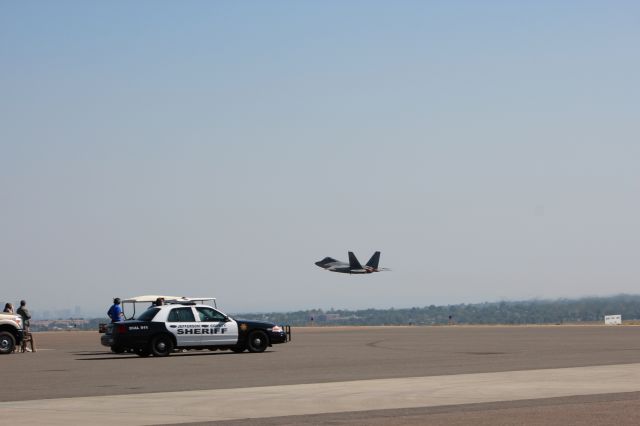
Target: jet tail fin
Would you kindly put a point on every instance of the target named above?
(353, 261)
(373, 262)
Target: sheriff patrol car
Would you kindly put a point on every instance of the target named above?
(160, 330)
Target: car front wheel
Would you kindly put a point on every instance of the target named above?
(257, 341)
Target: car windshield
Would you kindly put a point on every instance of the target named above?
(148, 314)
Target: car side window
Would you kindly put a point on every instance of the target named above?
(181, 315)
(209, 315)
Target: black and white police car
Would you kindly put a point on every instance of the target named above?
(185, 324)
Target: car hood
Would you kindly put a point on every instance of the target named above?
(6, 315)
(254, 323)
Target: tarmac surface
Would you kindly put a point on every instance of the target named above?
(360, 375)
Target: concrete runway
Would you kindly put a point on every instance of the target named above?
(366, 375)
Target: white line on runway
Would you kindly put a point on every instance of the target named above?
(318, 398)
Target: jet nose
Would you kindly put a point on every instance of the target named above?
(318, 263)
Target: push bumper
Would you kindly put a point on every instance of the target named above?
(280, 336)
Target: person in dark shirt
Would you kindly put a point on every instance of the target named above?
(8, 308)
(115, 311)
(26, 316)
(24, 313)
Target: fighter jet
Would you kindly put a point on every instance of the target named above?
(353, 267)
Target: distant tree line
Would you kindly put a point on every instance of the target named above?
(560, 311)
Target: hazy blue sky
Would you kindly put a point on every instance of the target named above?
(489, 149)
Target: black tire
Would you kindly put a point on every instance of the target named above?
(117, 349)
(161, 345)
(257, 341)
(7, 342)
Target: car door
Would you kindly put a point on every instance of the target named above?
(181, 322)
(222, 330)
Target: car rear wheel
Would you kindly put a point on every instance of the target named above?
(257, 341)
(7, 342)
(161, 345)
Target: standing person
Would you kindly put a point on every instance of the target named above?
(8, 308)
(24, 313)
(115, 311)
(26, 316)
(159, 302)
